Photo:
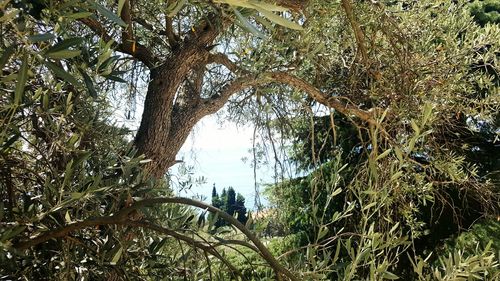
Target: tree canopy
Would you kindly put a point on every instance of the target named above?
(384, 113)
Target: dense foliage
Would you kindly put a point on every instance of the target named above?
(387, 110)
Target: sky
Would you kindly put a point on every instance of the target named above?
(216, 153)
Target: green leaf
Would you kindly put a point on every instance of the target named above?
(106, 63)
(427, 113)
(76, 195)
(65, 54)
(12, 232)
(337, 252)
(9, 15)
(175, 7)
(108, 14)
(79, 15)
(64, 45)
(11, 140)
(245, 24)
(89, 84)
(41, 37)
(267, 6)
(278, 19)
(67, 217)
(399, 154)
(267, 24)
(336, 192)
(396, 175)
(22, 77)
(68, 174)
(115, 78)
(6, 56)
(389, 275)
(61, 73)
(415, 127)
(120, 6)
(322, 232)
(237, 3)
(411, 145)
(384, 154)
(394, 228)
(369, 206)
(117, 256)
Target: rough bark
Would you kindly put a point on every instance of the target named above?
(165, 124)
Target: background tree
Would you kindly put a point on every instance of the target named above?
(231, 203)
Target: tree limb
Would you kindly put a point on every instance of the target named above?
(317, 95)
(122, 218)
(264, 252)
(141, 52)
(169, 31)
(222, 59)
(358, 33)
(215, 103)
(196, 244)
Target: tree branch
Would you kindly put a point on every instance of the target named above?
(128, 32)
(122, 218)
(358, 33)
(196, 244)
(141, 52)
(222, 59)
(213, 104)
(317, 95)
(264, 252)
(169, 31)
(66, 230)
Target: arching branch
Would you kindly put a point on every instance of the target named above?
(195, 243)
(121, 218)
(358, 33)
(140, 52)
(239, 84)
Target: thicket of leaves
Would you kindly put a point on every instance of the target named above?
(381, 198)
(372, 192)
(63, 160)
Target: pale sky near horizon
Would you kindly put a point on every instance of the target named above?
(216, 152)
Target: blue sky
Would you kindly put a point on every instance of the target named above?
(216, 151)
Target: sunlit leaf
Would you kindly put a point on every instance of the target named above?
(279, 20)
(41, 37)
(121, 3)
(64, 54)
(61, 73)
(267, 6)
(117, 256)
(108, 14)
(22, 78)
(247, 25)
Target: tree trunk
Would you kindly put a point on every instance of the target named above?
(166, 123)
